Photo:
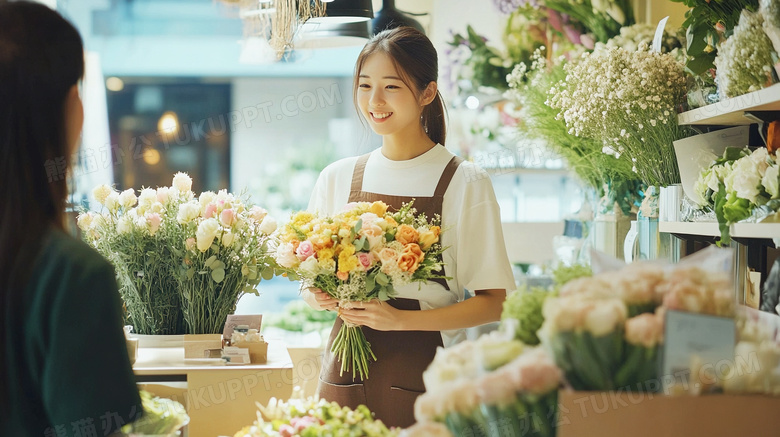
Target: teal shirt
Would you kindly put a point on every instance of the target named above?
(66, 358)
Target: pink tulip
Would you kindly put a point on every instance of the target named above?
(211, 209)
(228, 217)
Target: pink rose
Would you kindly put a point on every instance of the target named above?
(304, 250)
(365, 259)
(350, 206)
(162, 195)
(228, 217)
(257, 213)
(286, 431)
(154, 220)
(211, 209)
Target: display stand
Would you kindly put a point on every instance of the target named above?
(219, 398)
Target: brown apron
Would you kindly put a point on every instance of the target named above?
(395, 378)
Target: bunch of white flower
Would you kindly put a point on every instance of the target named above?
(628, 100)
(744, 61)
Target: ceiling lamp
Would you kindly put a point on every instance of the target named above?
(390, 18)
(345, 11)
(323, 35)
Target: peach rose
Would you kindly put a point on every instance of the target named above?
(406, 234)
(644, 329)
(379, 208)
(388, 255)
(342, 275)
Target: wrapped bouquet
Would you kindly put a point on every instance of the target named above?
(360, 254)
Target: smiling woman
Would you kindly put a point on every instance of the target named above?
(396, 94)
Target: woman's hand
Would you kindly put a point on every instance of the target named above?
(374, 314)
(319, 300)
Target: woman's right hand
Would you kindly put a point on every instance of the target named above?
(319, 300)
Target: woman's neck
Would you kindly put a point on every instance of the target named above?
(402, 146)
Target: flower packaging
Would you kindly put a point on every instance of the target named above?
(361, 254)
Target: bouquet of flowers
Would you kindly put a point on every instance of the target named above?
(737, 184)
(516, 398)
(180, 260)
(141, 238)
(313, 417)
(226, 249)
(627, 100)
(360, 254)
(604, 173)
(744, 61)
(604, 331)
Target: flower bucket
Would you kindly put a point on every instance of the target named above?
(609, 233)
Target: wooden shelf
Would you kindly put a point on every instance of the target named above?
(731, 112)
(710, 229)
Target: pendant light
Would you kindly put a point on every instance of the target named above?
(390, 17)
(345, 11)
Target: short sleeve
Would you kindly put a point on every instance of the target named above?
(87, 377)
(317, 199)
(482, 259)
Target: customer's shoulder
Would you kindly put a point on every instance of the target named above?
(66, 251)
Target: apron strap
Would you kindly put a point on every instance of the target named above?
(446, 176)
(357, 173)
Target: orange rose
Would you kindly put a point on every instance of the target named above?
(342, 275)
(379, 208)
(408, 262)
(414, 249)
(406, 234)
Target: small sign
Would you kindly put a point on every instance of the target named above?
(253, 321)
(658, 39)
(696, 338)
(236, 355)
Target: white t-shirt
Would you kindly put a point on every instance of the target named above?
(475, 255)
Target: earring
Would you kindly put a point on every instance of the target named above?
(424, 124)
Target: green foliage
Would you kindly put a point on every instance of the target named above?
(298, 316)
(525, 306)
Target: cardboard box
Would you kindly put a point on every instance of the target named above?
(196, 345)
(258, 351)
(618, 414)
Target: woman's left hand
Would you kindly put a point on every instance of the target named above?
(374, 314)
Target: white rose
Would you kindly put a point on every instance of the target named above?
(206, 197)
(227, 238)
(127, 198)
(207, 231)
(310, 267)
(744, 180)
(268, 226)
(605, 316)
(224, 196)
(187, 212)
(770, 181)
(112, 201)
(85, 220)
(285, 256)
(147, 197)
(124, 225)
(182, 182)
(101, 192)
(759, 158)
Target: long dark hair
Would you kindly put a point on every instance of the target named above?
(416, 60)
(41, 58)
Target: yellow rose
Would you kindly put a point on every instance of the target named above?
(379, 208)
(406, 234)
(428, 238)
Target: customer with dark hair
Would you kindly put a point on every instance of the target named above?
(64, 368)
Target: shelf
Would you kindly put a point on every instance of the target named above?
(730, 112)
(710, 229)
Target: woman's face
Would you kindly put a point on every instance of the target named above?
(74, 118)
(388, 104)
